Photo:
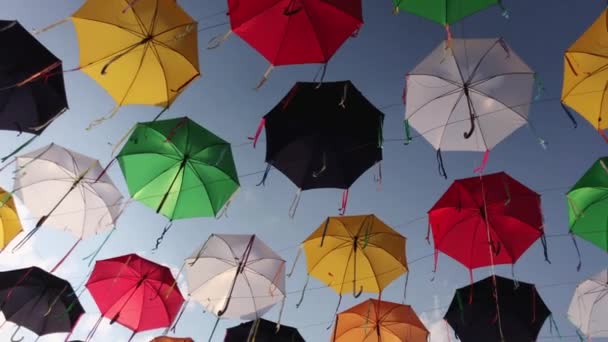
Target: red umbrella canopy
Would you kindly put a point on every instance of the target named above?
(494, 203)
(295, 31)
(135, 292)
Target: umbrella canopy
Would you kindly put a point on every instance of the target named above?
(135, 292)
(359, 250)
(79, 197)
(172, 339)
(589, 306)
(145, 53)
(39, 301)
(236, 276)
(443, 12)
(295, 31)
(32, 92)
(377, 321)
(473, 208)
(588, 205)
(262, 330)
(10, 224)
(521, 314)
(469, 97)
(586, 74)
(323, 136)
(178, 168)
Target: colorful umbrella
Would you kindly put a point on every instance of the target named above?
(377, 321)
(469, 97)
(501, 310)
(586, 75)
(39, 301)
(323, 136)
(588, 205)
(10, 225)
(294, 31)
(172, 339)
(236, 276)
(79, 197)
(589, 306)
(261, 330)
(145, 53)
(483, 221)
(445, 12)
(135, 292)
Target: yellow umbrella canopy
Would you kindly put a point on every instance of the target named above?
(143, 53)
(359, 250)
(10, 226)
(586, 74)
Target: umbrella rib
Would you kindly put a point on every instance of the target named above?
(498, 101)
(372, 268)
(164, 72)
(483, 57)
(330, 4)
(135, 33)
(157, 292)
(200, 178)
(345, 271)
(454, 83)
(255, 307)
(284, 35)
(450, 93)
(154, 179)
(345, 245)
(476, 83)
(317, 36)
(259, 13)
(445, 127)
(140, 22)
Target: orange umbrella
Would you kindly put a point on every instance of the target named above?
(172, 339)
(379, 321)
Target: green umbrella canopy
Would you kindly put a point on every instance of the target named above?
(178, 168)
(444, 12)
(588, 205)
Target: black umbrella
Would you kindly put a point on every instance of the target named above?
(263, 331)
(323, 135)
(474, 316)
(39, 301)
(32, 92)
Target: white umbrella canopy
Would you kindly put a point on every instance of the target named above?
(67, 191)
(469, 95)
(236, 276)
(589, 306)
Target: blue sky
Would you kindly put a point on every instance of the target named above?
(224, 101)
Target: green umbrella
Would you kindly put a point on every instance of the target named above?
(444, 12)
(588, 205)
(178, 168)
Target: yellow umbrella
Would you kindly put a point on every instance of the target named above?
(143, 53)
(361, 251)
(585, 86)
(10, 226)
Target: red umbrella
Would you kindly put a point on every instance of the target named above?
(488, 220)
(135, 292)
(295, 31)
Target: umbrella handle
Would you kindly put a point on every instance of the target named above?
(15, 333)
(289, 12)
(356, 295)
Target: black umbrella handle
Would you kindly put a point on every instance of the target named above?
(468, 134)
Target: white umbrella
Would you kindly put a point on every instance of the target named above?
(470, 96)
(66, 191)
(236, 276)
(589, 306)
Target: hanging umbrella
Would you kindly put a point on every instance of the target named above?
(262, 330)
(520, 315)
(39, 301)
(589, 306)
(377, 321)
(79, 197)
(354, 253)
(483, 221)
(289, 32)
(469, 97)
(172, 339)
(145, 53)
(135, 292)
(10, 225)
(323, 136)
(588, 205)
(236, 276)
(445, 12)
(586, 75)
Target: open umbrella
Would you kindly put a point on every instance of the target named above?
(501, 310)
(469, 97)
(588, 309)
(588, 205)
(586, 75)
(445, 12)
(10, 225)
(323, 136)
(261, 330)
(39, 301)
(171, 339)
(378, 321)
(142, 53)
(134, 292)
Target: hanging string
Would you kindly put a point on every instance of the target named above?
(278, 327)
(265, 176)
(36, 32)
(95, 327)
(543, 240)
(569, 114)
(303, 292)
(323, 71)
(65, 256)
(294, 204)
(178, 317)
(335, 313)
(258, 132)
(407, 278)
(264, 78)
(104, 171)
(160, 239)
(408, 135)
(18, 149)
(440, 165)
(216, 41)
(484, 162)
(578, 252)
(293, 266)
(342, 209)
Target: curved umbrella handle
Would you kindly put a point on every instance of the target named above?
(15, 333)
(356, 295)
(468, 134)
